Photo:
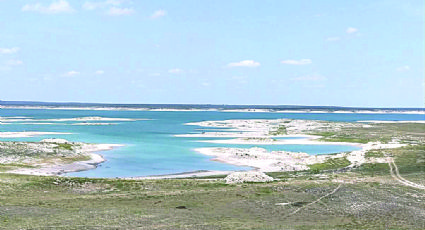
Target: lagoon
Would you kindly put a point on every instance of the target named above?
(150, 145)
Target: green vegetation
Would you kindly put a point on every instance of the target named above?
(410, 159)
(384, 133)
(337, 137)
(75, 203)
(374, 153)
(411, 162)
(281, 130)
(64, 159)
(330, 164)
(71, 159)
(369, 198)
(373, 169)
(258, 139)
(37, 152)
(12, 166)
(65, 146)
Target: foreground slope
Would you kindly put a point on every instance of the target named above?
(370, 196)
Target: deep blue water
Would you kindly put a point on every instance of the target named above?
(150, 145)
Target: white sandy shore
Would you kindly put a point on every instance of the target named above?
(96, 119)
(245, 134)
(48, 123)
(256, 131)
(182, 175)
(248, 132)
(95, 124)
(389, 122)
(327, 111)
(306, 141)
(79, 119)
(58, 169)
(28, 134)
(275, 161)
(31, 123)
(106, 108)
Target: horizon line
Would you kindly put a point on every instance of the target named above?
(205, 104)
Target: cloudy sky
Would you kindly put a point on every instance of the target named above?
(347, 53)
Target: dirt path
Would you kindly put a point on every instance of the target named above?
(396, 175)
(304, 207)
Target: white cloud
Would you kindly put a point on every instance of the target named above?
(114, 2)
(96, 5)
(351, 30)
(9, 50)
(297, 62)
(246, 63)
(99, 72)
(116, 11)
(92, 5)
(71, 73)
(60, 6)
(312, 77)
(158, 14)
(114, 7)
(154, 74)
(175, 71)
(403, 68)
(333, 39)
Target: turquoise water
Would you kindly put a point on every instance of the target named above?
(150, 146)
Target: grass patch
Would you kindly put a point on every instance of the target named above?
(410, 159)
(258, 139)
(340, 137)
(12, 166)
(75, 158)
(86, 203)
(65, 146)
(373, 169)
(281, 130)
(384, 133)
(329, 164)
(374, 153)
(38, 202)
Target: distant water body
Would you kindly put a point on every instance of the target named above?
(150, 145)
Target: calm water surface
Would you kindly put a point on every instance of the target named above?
(150, 146)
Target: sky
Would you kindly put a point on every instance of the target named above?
(330, 52)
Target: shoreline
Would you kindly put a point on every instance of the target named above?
(248, 131)
(29, 134)
(259, 110)
(306, 141)
(280, 161)
(189, 174)
(391, 122)
(58, 169)
(259, 131)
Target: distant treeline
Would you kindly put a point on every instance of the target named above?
(196, 106)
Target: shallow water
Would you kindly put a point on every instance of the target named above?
(150, 146)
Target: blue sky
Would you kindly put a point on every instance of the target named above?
(347, 53)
